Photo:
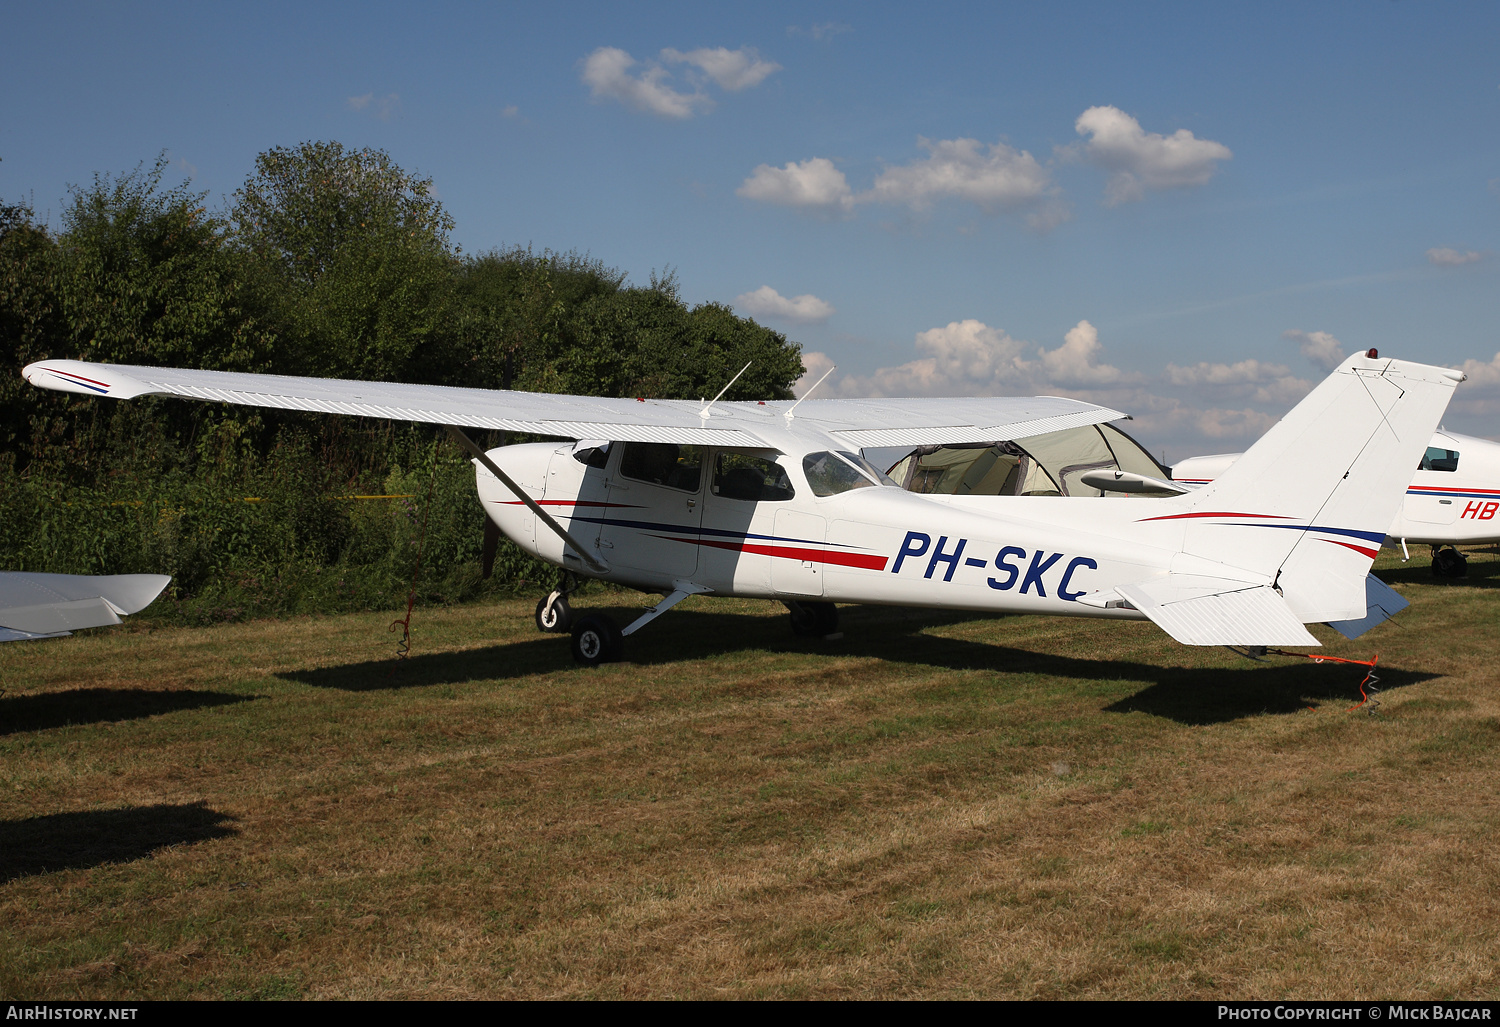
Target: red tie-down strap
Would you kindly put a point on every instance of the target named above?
(1366, 686)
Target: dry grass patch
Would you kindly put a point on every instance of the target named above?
(939, 805)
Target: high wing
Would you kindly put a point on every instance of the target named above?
(858, 422)
(46, 605)
(868, 423)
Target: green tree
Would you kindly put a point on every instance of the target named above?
(29, 322)
(352, 253)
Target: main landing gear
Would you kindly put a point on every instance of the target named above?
(596, 640)
(1449, 563)
(814, 620)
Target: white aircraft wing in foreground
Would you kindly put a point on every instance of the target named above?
(773, 500)
(49, 605)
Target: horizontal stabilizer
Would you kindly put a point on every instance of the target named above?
(1381, 604)
(1200, 610)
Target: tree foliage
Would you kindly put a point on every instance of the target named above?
(328, 262)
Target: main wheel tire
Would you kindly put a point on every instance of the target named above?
(596, 640)
(804, 619)
(813, 619)
(1450, 563)
(827, 617)
(554, 620)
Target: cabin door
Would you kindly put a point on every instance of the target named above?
(799, 574)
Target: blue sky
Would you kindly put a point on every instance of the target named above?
(1185, 211)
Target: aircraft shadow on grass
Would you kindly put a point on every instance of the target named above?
(1186, 695)
(1485, 575)
(96, 705)
(77, 841)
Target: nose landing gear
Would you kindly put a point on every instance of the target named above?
(554, 616)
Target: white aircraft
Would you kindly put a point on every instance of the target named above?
(50, 605)
(1444, 506)
(773, 500)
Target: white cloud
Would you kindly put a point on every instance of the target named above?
(510, 111)
(383, 107)
(1445, 256)
(767, 302)
(1075, 362)
(1484, 377)
(993, 177)
(970, 358)
(731, 69)
(606, 72)
(1138, 160)
(827, 30)
(814, 366)
(1320, 348)
(1261, 382)
(814, 183)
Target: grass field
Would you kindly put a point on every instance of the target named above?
(937, 805)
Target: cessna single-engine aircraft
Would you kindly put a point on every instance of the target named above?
(773, 500)
(50, 605)
(1444, 506)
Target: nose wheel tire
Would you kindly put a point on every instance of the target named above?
(596, 640)
(553, 615)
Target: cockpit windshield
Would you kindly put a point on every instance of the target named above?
(829, 474)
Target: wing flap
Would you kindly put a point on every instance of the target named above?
(1199, 610)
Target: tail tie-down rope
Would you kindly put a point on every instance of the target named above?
(403, 644)
(1367, 700)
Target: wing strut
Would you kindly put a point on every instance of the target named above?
(520, 493)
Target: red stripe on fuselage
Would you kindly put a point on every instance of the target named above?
(1176, 517)
(864, 561)
(565, 502)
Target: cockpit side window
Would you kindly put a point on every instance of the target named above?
(663, 463)
(830, 474)
(751, 478)
(1439, 460)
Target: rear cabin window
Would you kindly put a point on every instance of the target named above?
(751, 478)
(1439, 460)
(663, 463)
(1043, 465)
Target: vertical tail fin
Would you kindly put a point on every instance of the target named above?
(1309, 504)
